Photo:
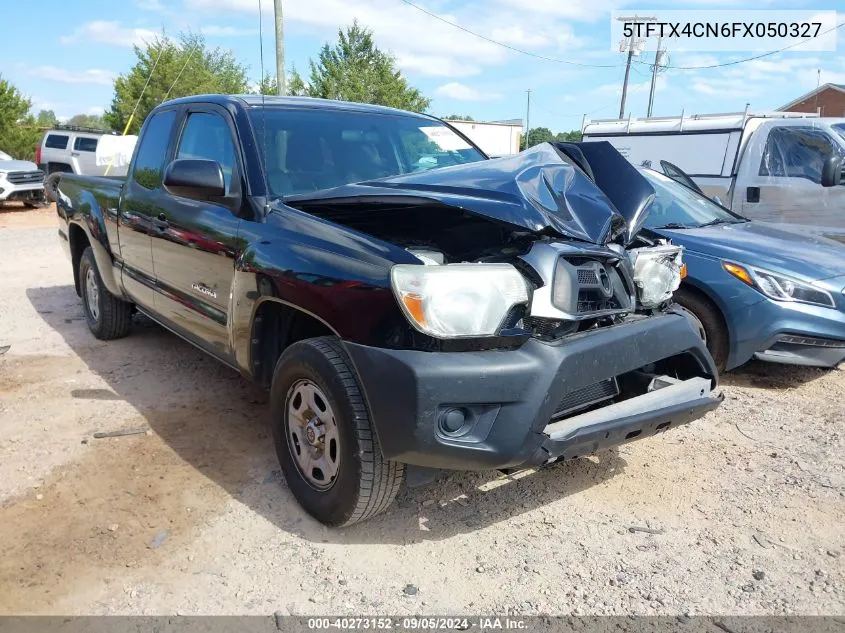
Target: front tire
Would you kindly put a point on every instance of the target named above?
(715, 331)
(324, 439)
(108, 317)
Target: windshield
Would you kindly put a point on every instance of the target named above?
(5, 156)
(677, 206)
(309, 150)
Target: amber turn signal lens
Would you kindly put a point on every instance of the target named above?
(739, 272)
(414, 306)
(683, 271)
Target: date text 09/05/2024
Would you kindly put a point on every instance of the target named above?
(417, 623)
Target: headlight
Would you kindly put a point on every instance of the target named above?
(658, 271)
(780, 287)
(458, 300)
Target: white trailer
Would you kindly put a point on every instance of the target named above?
(495, 138)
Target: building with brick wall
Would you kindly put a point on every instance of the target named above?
(827, 100)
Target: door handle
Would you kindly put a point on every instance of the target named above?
(752, 194)
(74, 153)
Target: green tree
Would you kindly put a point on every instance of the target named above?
(458, 117)
(573, 136)
(355, 69)
(89, 120)
(536, 136)
(267, 86)
(46, 119)
(19, 131)
(184, 67)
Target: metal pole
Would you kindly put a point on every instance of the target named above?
(280, 48)
(654, 77)
(527, 117)
(627, 73)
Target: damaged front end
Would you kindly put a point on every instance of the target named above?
(562, 221)
(539, 254)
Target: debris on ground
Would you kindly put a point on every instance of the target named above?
(121, 432)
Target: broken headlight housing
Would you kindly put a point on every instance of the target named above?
(658, 271)
(458, 300)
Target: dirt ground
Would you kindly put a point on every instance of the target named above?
(193, 516)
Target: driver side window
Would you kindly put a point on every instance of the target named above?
(207, 136)
(796, 152)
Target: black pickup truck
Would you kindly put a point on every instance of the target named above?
(411, 304)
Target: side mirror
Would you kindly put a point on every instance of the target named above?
(832, 171)
(195, 178)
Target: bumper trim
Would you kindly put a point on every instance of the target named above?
(588, 440)
(789, 349)
(679, 393)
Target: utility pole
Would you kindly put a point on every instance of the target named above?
(654, 70)
(280, 48)
(527, 117)
(631, 46)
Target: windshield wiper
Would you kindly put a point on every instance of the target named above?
(677, 225)
(717, 221)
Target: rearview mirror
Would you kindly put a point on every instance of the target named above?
(832, 171)
(195, 178)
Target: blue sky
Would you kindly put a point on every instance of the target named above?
(68, 62)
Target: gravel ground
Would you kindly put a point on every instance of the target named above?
(744, 508)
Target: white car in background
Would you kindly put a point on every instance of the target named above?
(20, 181)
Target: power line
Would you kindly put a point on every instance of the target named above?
(636, 61)
(507, 46)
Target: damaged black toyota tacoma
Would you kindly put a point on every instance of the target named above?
(411, 305)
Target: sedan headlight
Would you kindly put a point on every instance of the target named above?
(458, 300)
(658, 271)
(780, 287)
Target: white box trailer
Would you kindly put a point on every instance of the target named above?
(495, 138)
(767, 166)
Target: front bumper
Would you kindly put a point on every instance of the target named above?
(23, 193)
(789, 333)
(508, 397)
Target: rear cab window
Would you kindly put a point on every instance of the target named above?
(56, 141)
(148, 168)
(85, 144)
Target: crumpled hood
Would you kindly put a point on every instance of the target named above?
(767, 246)
(536, 189)
(17, 165)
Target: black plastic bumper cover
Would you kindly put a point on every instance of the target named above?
(511, 395)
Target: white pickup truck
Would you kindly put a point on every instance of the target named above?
(20, 181)
(779, 167)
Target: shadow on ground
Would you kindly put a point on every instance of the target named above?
(216, 421)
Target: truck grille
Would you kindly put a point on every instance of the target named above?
(584, 287)
(25, 177)
(586, 396)
(587, 276)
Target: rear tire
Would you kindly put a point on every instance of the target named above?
(315, 386)
(108, 317)
(715, 330)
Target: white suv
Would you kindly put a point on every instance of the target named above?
(70, 149)
(20, 181)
